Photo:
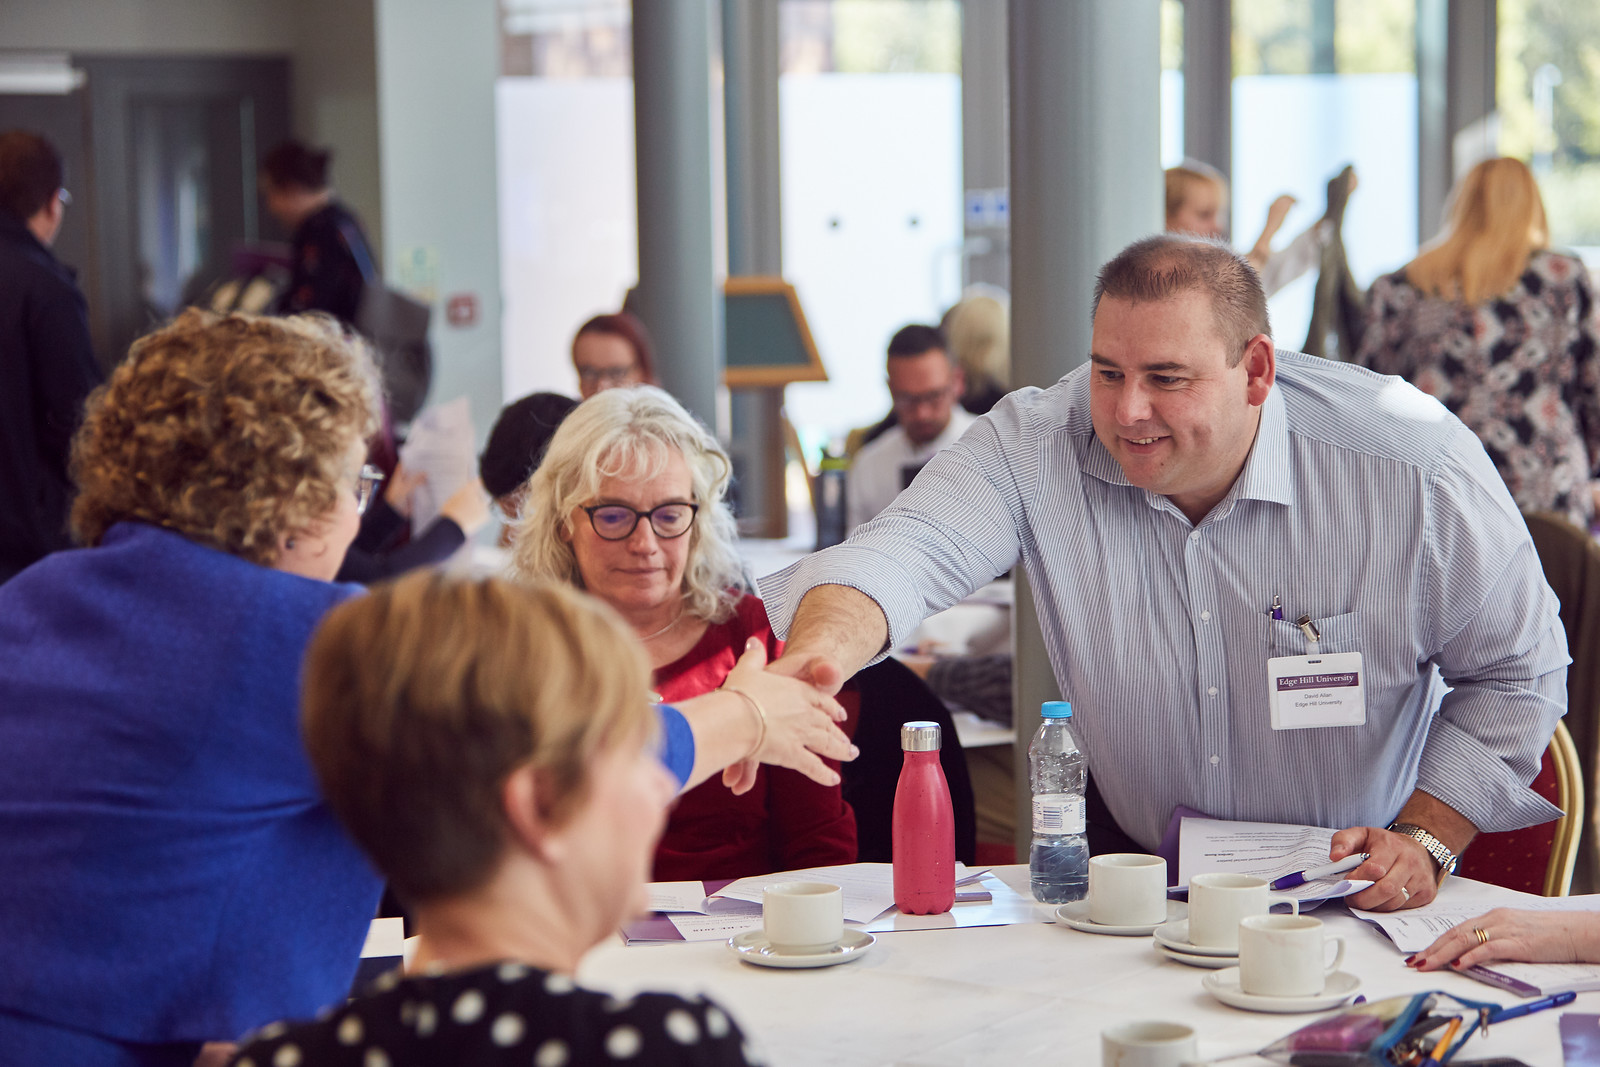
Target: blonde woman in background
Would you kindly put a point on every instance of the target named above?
(1504, 332)
(1197, 201)
(978, 331)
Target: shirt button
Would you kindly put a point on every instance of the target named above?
(1212, 690)
(1195, 536)
(1205, 616)
(1215, 760)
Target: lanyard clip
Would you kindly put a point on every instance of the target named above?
(1308, 628)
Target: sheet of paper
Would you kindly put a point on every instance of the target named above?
(678, 896)
(1265, 849)
(1005, 907)
(440, 446)
(868, 887)
(726, 918)
(1415, 929)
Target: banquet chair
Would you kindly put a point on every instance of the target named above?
(879, 699)
(1571, 561)
(1537, 859)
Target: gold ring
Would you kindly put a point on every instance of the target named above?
(1481, 935)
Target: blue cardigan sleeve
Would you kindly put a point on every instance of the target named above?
(677, 743)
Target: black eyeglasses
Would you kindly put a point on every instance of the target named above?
(367, 483)
(616, 522)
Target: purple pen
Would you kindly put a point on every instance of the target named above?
(1311, 874)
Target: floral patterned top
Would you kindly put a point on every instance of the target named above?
(1521, 370)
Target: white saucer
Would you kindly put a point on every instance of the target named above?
(1176, 937)
(1208, 962)
(1076, 915)
(752, 946)
(1224, 985)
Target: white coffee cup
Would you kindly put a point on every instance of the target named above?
(1147, 1044)
(1127, 889)
(1285, 956)
(1218, 901)
(802, 917)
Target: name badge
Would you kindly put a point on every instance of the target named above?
(1308, 692)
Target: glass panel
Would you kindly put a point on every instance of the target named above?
(1318, 85)
(870, 98)
(171, 189)
(1548, 95)
(1171, 83)
(568, 215)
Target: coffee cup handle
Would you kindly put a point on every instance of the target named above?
(1338, 957)
(1284, 898)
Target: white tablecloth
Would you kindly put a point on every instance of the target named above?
(1020, 994)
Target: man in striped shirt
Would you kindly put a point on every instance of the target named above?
(1162, 500)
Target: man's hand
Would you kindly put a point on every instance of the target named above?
(1404, 875)
(801, 721)
(814, 668)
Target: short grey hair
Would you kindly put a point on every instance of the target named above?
(631, 433)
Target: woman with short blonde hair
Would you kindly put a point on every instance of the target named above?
(1506, 334)
(491, 746)
(152, 781)
(629, 505)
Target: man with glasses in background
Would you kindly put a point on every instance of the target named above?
(925, 385)
(47, 364)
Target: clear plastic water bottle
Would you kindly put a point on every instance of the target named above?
(1058, 863)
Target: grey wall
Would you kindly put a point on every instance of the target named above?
(330, 44)
(437, 65)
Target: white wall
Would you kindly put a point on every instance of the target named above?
(437, 65)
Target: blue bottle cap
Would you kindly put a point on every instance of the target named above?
(1056, 709)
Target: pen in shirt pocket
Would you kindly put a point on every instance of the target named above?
(1276, 611)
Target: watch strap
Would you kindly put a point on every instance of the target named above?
(1436, 848)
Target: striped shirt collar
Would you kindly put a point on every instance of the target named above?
(1266, 475)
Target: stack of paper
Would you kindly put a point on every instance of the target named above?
(1265, 849)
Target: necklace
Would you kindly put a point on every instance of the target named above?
(665, 628)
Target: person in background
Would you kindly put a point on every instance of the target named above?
(331, 257)
(385, 546)
(979, 332)
(173, 876)
(491, 747)
(925, 383)
(612, 352)
(1197, 199)
(1505, 333)
(47, 364)
(515, 448)
(629, 505)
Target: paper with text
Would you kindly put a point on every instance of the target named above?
(440, 446)
(1267, 850)
(1417, 928)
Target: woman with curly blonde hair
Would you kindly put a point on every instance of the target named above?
(173, 875)
(629, 505)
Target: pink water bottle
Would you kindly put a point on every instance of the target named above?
(924, 827)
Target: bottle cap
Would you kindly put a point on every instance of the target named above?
(920, 737)
(1056, 709)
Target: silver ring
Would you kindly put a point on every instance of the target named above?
(1406, 893)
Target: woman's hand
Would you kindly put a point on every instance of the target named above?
(402, 488)
(467, 507)
(1524, 936)
(801, 726)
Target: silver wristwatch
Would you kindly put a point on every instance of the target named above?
(1441, 855)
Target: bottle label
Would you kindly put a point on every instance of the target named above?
(1055, 814)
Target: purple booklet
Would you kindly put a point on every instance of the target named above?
(1580, 1039)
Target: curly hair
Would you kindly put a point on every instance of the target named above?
(630, 433)
(227, 429)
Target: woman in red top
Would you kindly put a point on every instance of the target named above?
(628, 504)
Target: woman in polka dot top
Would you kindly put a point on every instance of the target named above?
(491, 748)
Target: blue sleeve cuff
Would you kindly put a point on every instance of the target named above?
(677, 743)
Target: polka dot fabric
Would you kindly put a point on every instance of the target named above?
(506, 1013)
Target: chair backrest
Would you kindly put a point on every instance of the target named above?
(879, 698)
(1537, 859)
(1571, 560)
